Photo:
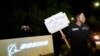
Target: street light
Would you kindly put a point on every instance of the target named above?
(72, 18)
(96, 37)
(96, 4)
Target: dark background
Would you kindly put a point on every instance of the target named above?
(15, 13)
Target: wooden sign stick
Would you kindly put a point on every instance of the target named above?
(64, 38)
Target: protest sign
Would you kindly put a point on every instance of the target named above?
(56, 22)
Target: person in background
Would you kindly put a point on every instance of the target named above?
(25, 31)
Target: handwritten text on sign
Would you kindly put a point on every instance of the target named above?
(56, 22)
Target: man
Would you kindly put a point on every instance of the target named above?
(25, 31)
(78, 34)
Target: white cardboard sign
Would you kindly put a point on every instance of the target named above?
(56, 22)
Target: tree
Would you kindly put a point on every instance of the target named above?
(94, 23)
(37, 14)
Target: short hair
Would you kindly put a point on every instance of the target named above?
(76, 16)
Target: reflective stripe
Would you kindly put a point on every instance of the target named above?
(85, 28)
(74, 29)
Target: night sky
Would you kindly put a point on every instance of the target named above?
(85, 6)
(7, 8)
(77, 5)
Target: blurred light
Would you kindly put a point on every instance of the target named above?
(97, 42)
(72, 18)
(96, 4)
(96, 37)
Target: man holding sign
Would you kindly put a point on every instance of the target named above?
(78, 34)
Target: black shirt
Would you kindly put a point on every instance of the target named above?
(78, 35)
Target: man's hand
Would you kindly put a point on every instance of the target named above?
(64, 38)
(62, 35)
